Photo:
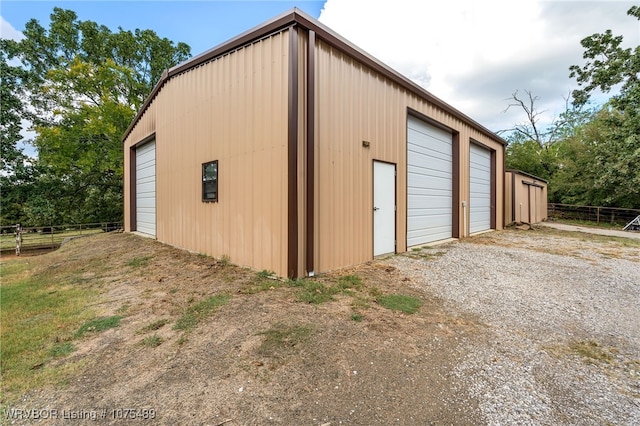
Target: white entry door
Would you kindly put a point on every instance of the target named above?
(384, 208)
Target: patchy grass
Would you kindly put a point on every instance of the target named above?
(315, 292)
(357, 317)
(423, 252)
(139, 262)
(591, 351)
(154, 326)
(262, 281)
(281, 339)
(152, 341)
(97, 325)
(40, 309)
(350, 282)
(62, 349)
(201, 310)
(400, 302)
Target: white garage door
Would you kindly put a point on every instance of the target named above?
(429, 183)
(479, 189)
(146, 188)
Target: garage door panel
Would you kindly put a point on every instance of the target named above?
(429, 183)
(146, 188)
(479, 189)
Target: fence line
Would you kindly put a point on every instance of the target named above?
(50, 236)
(614, 216)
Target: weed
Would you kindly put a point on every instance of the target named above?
(152, 341)
(156, 325)
(196, 313)
(97, 325)
(400, 302)
(350, 282)
(265, 274)
(314, 292)
(357, 317)
(283, 338)
(173, 290)
(360, 302)
(182, 340)
(139, 262)
(592, 351)
(224, 260)
(263, 281)
(62, 349)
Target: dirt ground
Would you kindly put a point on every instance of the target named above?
(387, 368)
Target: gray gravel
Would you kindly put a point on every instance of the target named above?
(542, 298)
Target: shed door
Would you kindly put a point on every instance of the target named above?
(479, 189)
(429, 183)
(146, 188)
(384, 208)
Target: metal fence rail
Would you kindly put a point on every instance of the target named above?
(613, 216)
(51, 236)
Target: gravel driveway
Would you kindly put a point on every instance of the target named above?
(562, 316)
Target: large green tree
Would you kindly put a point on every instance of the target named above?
(82, 84)
(613, 137)
(17, 169)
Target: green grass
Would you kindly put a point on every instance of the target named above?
(97, 325)
(282, 338)
(314, 292)
(201, 310)
(152, 341)
(62, 349)
(156, 325)
(262, 281)
(139, 262)
(400, 302)
(39, 310)
(357, 317)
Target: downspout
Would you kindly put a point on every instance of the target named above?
(464, 219)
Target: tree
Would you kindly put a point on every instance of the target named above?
(607, 65)
(17, 171)
(84, 83)
(537, 149)
(613, 137)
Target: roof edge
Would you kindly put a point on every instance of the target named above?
(297, 17)
(526, 174)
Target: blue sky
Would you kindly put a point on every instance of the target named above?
(200, 24)
(473, 54)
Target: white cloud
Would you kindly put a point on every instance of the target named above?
(8, 32)
(474, 54)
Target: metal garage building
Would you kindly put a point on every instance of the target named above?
(525, 198)
(290, 149)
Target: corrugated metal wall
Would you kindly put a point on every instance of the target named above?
(525, 199)
(234, 110)
(355, 104)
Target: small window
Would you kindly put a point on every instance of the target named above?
(210, 181)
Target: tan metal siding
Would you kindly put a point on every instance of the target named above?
(529, 200)
(234, 110)
(355, 104)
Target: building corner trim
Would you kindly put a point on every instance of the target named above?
(292, 157)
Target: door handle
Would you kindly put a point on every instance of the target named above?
(376, 208)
